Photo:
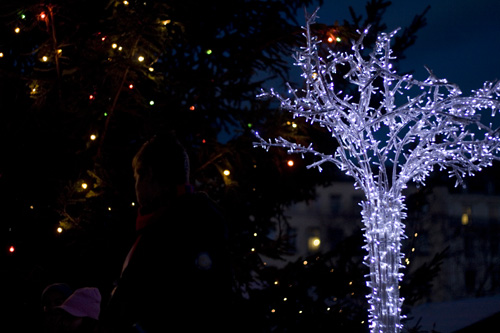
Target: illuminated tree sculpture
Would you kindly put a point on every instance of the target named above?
(393, 130)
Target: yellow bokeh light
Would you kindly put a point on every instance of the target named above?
(313, 243)
(17, 30)
(140, 58)
(59, 230)
(226, 172)
(84, 186)
(465, 219)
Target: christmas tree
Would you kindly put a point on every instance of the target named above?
(86, 82)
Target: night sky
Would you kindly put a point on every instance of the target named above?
(461, 41)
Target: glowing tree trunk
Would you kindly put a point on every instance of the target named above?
(385, 142)
(382, 218)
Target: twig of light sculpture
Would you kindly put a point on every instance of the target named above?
(384, 144)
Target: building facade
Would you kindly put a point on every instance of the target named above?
(465, 225)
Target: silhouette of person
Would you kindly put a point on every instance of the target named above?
(177, 273)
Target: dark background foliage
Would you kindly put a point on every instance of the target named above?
(202, 64)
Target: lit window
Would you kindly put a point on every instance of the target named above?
(314, 243)
(466, 216)
(313, 240)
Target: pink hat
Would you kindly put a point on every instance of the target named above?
(84, 302)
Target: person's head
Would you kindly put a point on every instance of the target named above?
(160, 165)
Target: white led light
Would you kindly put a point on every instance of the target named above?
(385, 141)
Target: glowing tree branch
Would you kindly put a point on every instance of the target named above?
(393, 130)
